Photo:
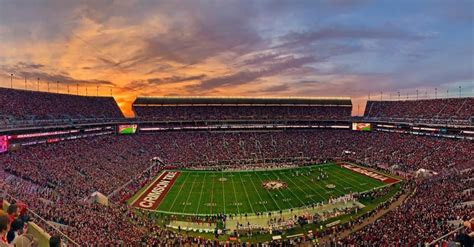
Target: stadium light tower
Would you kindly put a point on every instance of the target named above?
(48, 86)
(38, 83)
(25, 83)
(417, 94)
(11, 80)
(459, 91)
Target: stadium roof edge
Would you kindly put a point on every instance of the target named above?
(163, 100)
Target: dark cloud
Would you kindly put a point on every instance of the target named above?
(244, 77)
(308, 82)
(260, 58)
(276, 88)
(203, 33)
(175, 79)
(22, 65)
(388, 32)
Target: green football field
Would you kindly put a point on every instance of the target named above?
(230, 192)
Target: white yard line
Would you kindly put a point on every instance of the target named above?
(200, 195)
(223, 191)
(261, 199)
(179, 192)
(316, 191)
(235, 195)
(279, 191)
(304, 193)
(189, 195)
(355, 182)
(246, 195)
(212, 196)
(270, 195)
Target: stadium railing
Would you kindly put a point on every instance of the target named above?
(41, 234)
(439, 240)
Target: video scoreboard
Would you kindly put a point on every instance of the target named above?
(361, 126)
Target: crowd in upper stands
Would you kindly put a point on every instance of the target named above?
(243, 112)
(427, 110)
(31, 105)
(57, 180)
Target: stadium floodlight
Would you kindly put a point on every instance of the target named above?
(11, 80)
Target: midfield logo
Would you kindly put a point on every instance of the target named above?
(274, 185)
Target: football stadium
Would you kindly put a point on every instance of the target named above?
(215, 124)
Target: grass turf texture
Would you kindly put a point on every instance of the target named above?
(209, 192)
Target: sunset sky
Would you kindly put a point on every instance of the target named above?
(239, 48)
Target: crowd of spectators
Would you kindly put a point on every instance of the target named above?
(18, 104)
(425, 216)
(14, 226)
(243, 112)
(427, 110)
(56, 180)
(241, 149)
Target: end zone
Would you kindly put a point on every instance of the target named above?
(156, 191)
(369, 173)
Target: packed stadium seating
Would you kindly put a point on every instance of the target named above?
(57, 179)
(408, 152)
(426, 110)
(241, 113)
(17, 105)
(169, 108)
(425, 216)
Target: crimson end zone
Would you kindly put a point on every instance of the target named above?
(156, 191)
(369, 173)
